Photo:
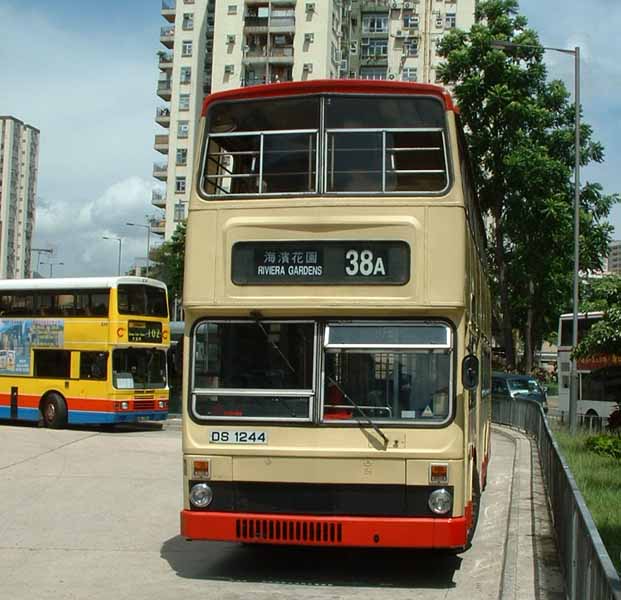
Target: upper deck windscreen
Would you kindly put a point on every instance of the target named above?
(334, 144)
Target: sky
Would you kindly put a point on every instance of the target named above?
(85, 74)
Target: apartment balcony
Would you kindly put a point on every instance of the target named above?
(282, 55)
(168, 10)
(167, 36)
(161, 143)
(282, 25)
(158, 226)
(160, 171)
(162, 116)
(158, 199)
(165, 60)
(256, 24)
(164, 89)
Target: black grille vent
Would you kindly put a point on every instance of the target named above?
(298, 531)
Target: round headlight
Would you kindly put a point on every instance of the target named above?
(201, 495)
(440, 501)
(124, 405)
(161, 404)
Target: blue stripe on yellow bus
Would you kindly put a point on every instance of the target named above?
(23, 414)
(86, 417)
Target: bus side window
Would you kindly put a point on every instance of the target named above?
(99, 304)
(82, 305)
(52, 363)
(93, 365)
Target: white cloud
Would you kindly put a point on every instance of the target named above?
(77, 235)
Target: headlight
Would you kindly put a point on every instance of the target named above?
(440, 501)
(162, 404)
(201, 495)
(124, 405)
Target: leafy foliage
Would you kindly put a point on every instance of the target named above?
(520, 130)
(169, 259)
(605, 336)
(614, 420)
(607, 445)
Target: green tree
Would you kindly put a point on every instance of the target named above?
(169, 261)
(605, 336)
(520, 130)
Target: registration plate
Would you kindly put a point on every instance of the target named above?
(230, 436)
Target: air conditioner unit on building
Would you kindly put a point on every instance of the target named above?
(309, 37)
(310, 7)
(439, 21)
(230, 39)
(408, 5)
(229, 69)
(399, 33)
(308, 67)
(395, 5)
(391, 76)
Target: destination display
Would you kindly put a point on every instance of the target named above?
(321, 263)
(144, 332)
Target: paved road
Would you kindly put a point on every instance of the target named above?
(93, 515)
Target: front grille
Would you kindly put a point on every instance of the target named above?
(298, 530)
(143, 404)
(144, 396)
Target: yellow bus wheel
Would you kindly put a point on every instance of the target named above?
(54, 411)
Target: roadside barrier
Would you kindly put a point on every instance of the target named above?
(587, 568)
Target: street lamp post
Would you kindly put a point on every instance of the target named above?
(573, 375)
(148, 228)
(120, 241)
(51, 265)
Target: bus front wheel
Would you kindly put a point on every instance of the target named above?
(54, 411)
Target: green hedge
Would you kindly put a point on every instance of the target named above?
(607, 445)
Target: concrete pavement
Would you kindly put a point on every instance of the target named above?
(92, 515)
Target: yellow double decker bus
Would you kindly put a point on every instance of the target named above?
(88, 350)
(337, 320)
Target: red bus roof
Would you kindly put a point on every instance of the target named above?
(334, 86)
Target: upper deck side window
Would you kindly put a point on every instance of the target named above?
(331, 144)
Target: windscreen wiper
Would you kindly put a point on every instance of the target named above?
(257, 319)
(366, 417)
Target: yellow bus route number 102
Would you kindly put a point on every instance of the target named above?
(227, 436)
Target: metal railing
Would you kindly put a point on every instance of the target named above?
(588, 570)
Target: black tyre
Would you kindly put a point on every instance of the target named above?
(54, 411)
(476, 503)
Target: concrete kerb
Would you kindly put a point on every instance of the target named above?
(530, 542)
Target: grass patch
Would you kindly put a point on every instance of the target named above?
(599, 480)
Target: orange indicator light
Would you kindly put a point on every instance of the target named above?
(438, 473)
(201, 469)
(120, 332)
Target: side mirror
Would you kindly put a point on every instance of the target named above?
(470, 372)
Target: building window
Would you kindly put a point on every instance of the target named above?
(186, 74)
(183, 128)
(184, 101)
(451, 21)
(375, 23)
(188, 21)
(232, 9)
(410, 21)
(410, 47)
(179, 211)
(410, 74)
(180, 185)
(374, 47)
(182, 157)
(372, 72)
(186, 48)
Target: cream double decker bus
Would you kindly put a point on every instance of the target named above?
(337, 320)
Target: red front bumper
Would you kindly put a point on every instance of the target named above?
(410, 532)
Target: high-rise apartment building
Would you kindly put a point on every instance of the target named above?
(19, 157)
(224, 44)
(614, 258)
